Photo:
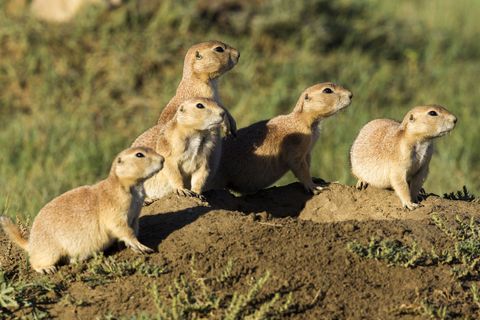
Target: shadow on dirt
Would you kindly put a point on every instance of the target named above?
(155, 228)
(285, 201)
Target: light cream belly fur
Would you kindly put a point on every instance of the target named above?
(198, 151)
(377, 174)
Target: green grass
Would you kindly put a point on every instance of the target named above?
(393, 252)
(197, 296)
(101, 270)
(73, 96)
(462, 256)
(30, 297)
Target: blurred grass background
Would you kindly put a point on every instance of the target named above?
(74, 95)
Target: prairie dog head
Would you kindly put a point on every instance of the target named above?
(323, 100)
(427, 122)
(200, 114)
(211, 59)
(137, 164)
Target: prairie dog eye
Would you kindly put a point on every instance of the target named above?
(219, 49)
(327, 90)
(200, 106)
(432, 113)
(139, 155)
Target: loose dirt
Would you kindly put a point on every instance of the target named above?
(300, 240)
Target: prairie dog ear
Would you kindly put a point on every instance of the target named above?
(119, 160)
(182, 108)
(198, 56)
(411, 118)
(307, 97)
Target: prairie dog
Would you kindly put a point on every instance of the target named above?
(88, 219)
(188, 142)
(61, 11)
(204, 63)
(263, 152)
(389, 154)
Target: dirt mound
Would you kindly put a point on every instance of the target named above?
(315, 270)
(343, 203)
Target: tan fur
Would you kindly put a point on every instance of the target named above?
(88, 219)
(389, 154)
(263, 152)
(188, 142)
(201, 70)
(60, 11)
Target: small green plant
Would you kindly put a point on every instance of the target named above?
(239, 303)
(28, 297)
(462, 255)
(425, 309)
(186, 299)
(433, 311)
(196, 297)
(101, 269)
(466, 245)
(393, 252)
(475, 294)
(7, 293)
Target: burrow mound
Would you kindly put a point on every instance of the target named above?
(271, 232)
(334, 204)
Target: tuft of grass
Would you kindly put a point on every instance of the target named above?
(475, 294)
(196, 297)
(462, 256)
(393, 252)
(7, 294)
(465, 235)
(31, 298)
(101, 269)
(433, 311)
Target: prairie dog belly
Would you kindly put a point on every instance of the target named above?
(197, 152)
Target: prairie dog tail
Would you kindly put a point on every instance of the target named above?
(13, 232)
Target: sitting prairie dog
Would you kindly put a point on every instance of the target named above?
(188, 142)
(204, 63)
(88, 219)
(263, 152)
(389, 154)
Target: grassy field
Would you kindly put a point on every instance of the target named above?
(72, 96)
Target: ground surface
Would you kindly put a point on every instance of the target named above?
(300, 245)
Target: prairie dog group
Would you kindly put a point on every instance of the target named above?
(89, 219)
(188, 142)
(185, 154)
(390, 154)
(263, 152)
(204, 63)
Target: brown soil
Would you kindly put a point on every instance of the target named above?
(300, 239)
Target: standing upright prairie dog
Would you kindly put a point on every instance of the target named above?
(263, 152)
(188, 142)
(88, 219)
(389, 154)
(204, 63)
